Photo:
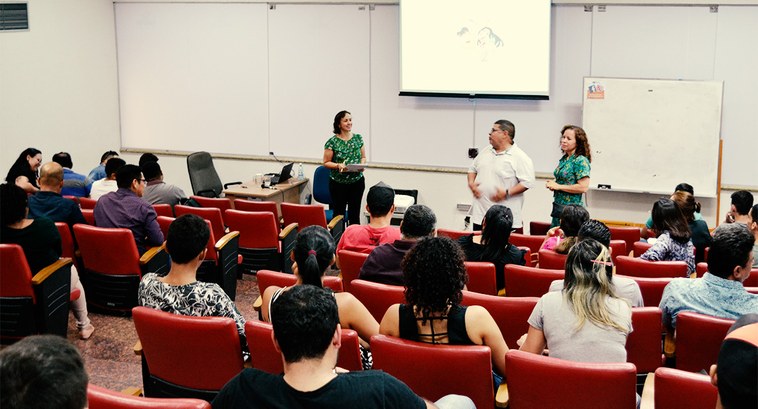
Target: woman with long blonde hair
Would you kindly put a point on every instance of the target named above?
(586, 321)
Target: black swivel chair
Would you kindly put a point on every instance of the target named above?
(203, 176)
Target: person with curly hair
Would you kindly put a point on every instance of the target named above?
(434, 277)
(572, 175)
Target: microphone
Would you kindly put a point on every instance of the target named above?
(277, 159)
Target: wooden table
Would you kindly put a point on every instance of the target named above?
(288, 191)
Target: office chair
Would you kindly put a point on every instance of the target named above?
(203, 176)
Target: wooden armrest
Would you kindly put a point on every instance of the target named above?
(287, 230)
(335, 220)
(132, 391)
(46, 272)
(226, 239)
(648, 392)
(151, 252)
(257, 304)
(502, 399)
(501, 292)
(138, 348)
(669, 344)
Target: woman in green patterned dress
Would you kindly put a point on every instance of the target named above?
(342, 149)
(572, 175)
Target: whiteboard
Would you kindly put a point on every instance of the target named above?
(649, 135)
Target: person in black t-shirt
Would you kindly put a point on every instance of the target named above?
(307, 333)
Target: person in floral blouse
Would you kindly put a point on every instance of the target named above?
(342, 149)
(572, 175)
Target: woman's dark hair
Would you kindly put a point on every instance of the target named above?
(13, 203)
(754, 213)
(314, 253)
(687, 204)
(685, 187)
(337, 119)
(582, 143)
(667, 216)
(572, 218)
(496, 231)
(434, 275)
(21, 167)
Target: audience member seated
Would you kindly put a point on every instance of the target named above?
(700, 235)
(736, 373)
(147, 157)
(649, 231)
(380, 203)
(23, 172)
(587, 321)
(492, 245)
(157, 191)
(383, 264)
(74, 184)
(313, 254)
(49, 203)
(674, 243)
(754, 229)
(125, 208)
(626, 288)
(42, 372)
(98, 172)
(561, 238)
(307, 332)
(107, 184)
(434, 279)
(179, 292)
(41, 243)
(742, 201)
(719, 292)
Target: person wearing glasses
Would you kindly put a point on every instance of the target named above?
(572, 175)
(500, 174)
(125, 208)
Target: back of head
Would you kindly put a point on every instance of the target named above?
(113, 165)
(754, 214)
(687, 204)
(51, 175)
(380, 199)
(434, 274)
(418, 221)
(107, 155)
(13, 202)
(507, 126)
(685, 187)
(42, 371)
(304, 319)
(572, 218)
(588, 284)
(731, 247)
(667, 216)
(147, 157)
(737, 367)
(496, 231)
(314, 253)
(595, 229)
(151, 171)
(126, 174)
(63, 159)
(186, 238)
(742, 200)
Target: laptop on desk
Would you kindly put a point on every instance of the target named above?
(284, 176)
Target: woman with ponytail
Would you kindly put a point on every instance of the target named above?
(586, 321)
(313, 255)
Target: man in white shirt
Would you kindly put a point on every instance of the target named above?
(107, 184)
(500, 174)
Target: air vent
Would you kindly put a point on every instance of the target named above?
(14, 16)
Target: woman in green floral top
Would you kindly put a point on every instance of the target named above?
(342, 149)
(572, 175)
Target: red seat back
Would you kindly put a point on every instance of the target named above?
(377, 297)
(101, 398)
(264, 356)
(632, 266)
(538, 228)
(643, 345)
(651, 288)
(212, 214)
(256, 206)
(175, 346)
(698, 340)
(267, 278)
(676, 389)
(219, 203)
(67, 240)
(303, 215)
(257, 229)
(552, 260)
(16, 276)
(702, 268)
(570, 384)
(456, 234)
(752, 281)
(87, 203)
(522, 281)
(481, 277)
(350, 266)
(108, 251)
(433, 371)
(533, 242)
(640, 247)
(629, 234)
(163, 209)
(510, 313)
(89, 216)
(618, 248)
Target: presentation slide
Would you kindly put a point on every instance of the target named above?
(475, 47)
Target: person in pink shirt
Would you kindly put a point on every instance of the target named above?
(380, 203)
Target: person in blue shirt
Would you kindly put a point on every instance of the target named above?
(74, 184)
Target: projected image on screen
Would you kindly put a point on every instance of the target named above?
(479, 47)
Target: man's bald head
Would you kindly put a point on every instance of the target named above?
(51, 177)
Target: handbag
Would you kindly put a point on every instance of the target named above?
(557, 210)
